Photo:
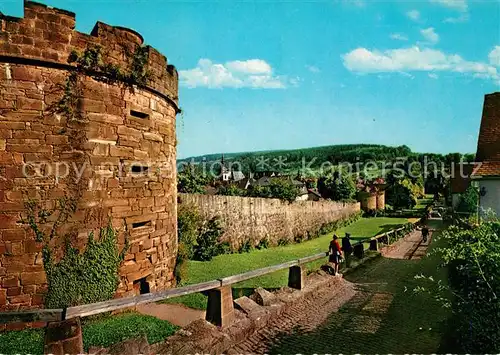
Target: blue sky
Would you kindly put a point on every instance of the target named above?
(259, 75)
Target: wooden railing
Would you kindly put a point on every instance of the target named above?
(52, 315)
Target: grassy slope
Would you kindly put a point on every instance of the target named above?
(230, 264)
(103, 331)
(414, 323)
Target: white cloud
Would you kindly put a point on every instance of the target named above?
(459, 5)
(414, 15)
(494, 56)
(430, 35)
(399, 36)
(313, 69)
(400, 60)
(433, 76)
(251, 66)
(460, 19)
(252, 73)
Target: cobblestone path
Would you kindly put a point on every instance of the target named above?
(385, 316)
(303, 317)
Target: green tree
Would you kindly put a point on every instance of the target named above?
(278, 188)
(337, 186)
(468, 201)
(231, 190)
(284, 190)
(190, 180)
(401, 193)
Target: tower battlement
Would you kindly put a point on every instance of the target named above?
(47, 35)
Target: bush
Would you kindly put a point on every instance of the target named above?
(283, 242)
(246, 247)
(472, 256)
(208, 243)
(188, 225)
(468, 201)
(263, 244)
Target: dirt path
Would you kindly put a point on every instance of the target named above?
(177, 314)
(410, 247)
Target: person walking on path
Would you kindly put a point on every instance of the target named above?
(347, 248)
(425, 233)
(335, 253)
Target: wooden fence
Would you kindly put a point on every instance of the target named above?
(53, 315)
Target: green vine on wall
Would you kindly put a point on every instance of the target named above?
(91, 63)
(77, 277)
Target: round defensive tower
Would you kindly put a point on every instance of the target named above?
(90, 118)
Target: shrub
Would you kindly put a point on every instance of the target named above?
(283, 241)
(472, 256)
(208, 243)
(371, 213)
(263, 244)
(188, 225)
(246, 247)
(468, 201)
(299, 238)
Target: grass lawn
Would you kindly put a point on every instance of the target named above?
(413, 323)
(102, 331)
(230, 264)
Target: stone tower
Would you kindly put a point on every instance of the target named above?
(91, 118)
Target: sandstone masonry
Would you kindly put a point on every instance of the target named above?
(255, 219)
(119, 161)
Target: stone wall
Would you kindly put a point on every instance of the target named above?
(255, 219)
(117, 162)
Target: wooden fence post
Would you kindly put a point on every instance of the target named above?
(64, 337)
(374, 244)
(296, 277)
(359, 250)
(220, 309)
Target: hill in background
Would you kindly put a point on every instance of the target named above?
(294, 160)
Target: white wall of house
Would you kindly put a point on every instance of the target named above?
(492, 197)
